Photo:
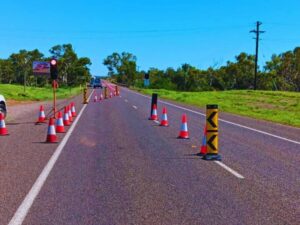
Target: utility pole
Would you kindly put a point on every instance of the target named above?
(257, 32)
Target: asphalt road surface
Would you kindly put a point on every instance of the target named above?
(114, 166)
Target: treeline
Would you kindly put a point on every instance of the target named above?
(282, 73)
(73, 70)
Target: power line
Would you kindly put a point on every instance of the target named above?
(257, 32)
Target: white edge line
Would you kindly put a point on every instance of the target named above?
(226, 121)
(25, 206)
(125, 100)
(135, 107)
(156, 121)
(230, 170)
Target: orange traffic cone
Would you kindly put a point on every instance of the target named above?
(164, 119)
(100, 97)
(60, 128)
(42, 116)
(95, 98)
(66, 117)
(110, 94)
(51, 135)
(73, 109)
(184, 134)
(3, 130)
(203, 148)
(70, 114)
(154, 113)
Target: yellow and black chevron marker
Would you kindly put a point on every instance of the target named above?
(105, 93)
(117, 90)
(212, 133)
(85, 101)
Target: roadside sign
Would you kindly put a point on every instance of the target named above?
(41, 68)
(212, 133)
(146, 82)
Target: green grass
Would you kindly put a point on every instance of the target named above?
(16, 92)
(280, 107)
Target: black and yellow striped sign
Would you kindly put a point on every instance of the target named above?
(117, 90)
(212, 136)
(85, 101)
(105, 93)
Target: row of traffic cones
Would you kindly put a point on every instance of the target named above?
(183, 133)
(164, 118)
(70, 109)
(58, 126)
(53, 128)
(111, 94)
(100, 98)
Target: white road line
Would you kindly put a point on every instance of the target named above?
(135, 107)
(156, 121)
(226, 121)
(126, 100)
(230, 170)
(23, 209)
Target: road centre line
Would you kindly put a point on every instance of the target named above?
(135, 107)
(25, 206)
(226, 121)
(126, 100)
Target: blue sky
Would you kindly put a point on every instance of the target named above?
(161, 33)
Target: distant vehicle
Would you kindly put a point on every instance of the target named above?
(96, 82)
(3, 105)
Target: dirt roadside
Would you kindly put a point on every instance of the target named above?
(23, 110)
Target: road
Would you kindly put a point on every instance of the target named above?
(114, 166)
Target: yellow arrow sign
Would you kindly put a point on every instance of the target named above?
(211, 119)
(212, 129)
(212, 143)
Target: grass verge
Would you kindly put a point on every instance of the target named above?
(280, 107)
(16, 92)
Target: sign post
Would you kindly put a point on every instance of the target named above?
(212, 133)
(54, 75)
(54, 87)
(153, 102)
(146, 80)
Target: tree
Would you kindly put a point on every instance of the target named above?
(122, 67)
(285, 70)
(72, 70)
(6, 71)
